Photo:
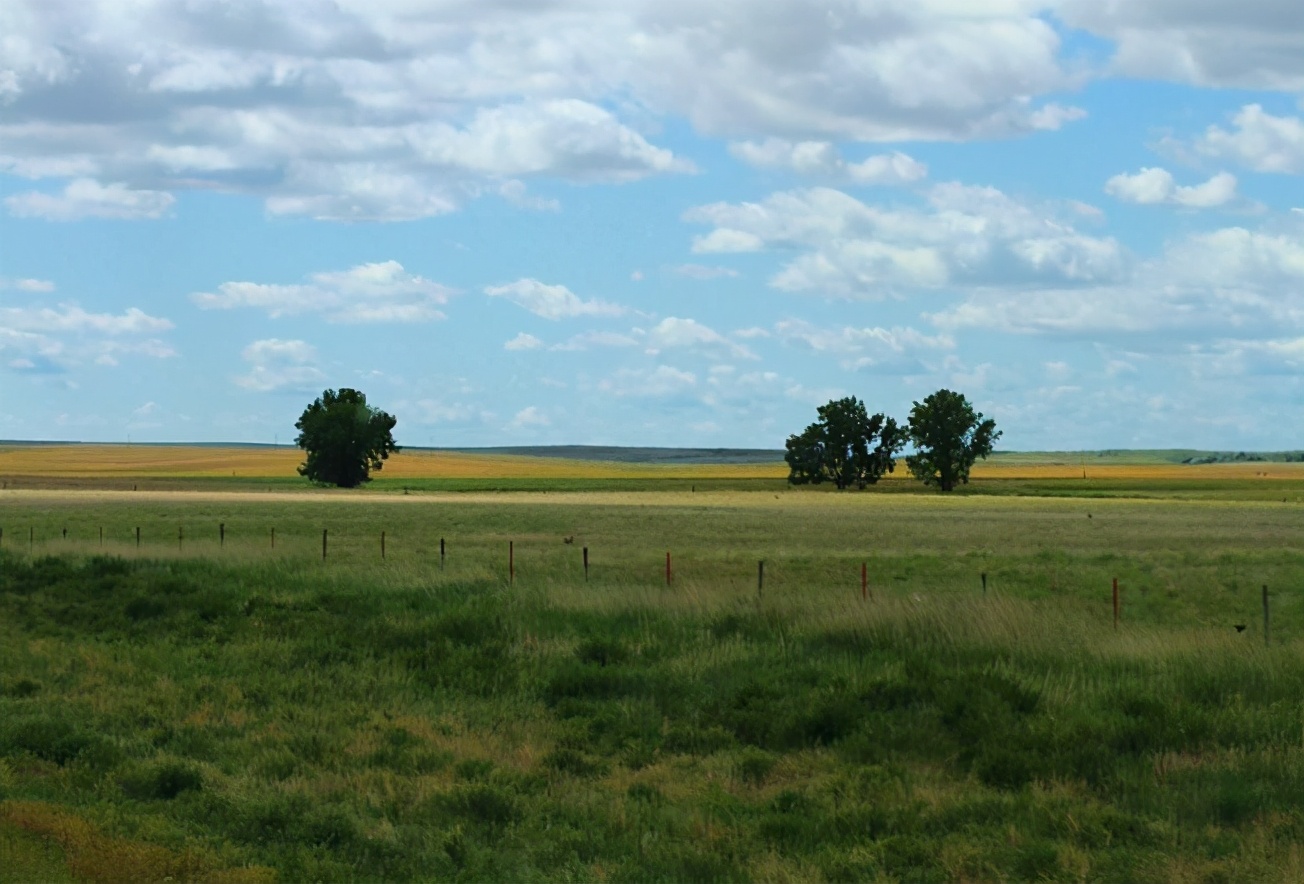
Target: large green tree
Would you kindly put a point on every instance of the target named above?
(345, 438)
(846, 446)
(948, 436)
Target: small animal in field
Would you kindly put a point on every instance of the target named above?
(570, 539)
(1240, 627)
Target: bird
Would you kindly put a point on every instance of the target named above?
(1240, 627)
(1088, 515)
(570, 539)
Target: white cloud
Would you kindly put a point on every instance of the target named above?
(1205, 283)
(1260, 141)
(1152, 186)
(1251, 45)
(703, 272)
(823, 159)
(673, 333)
(897, 350)
(27, 285)
(724, 239)
(661, 382)
(974, 236)
(530, 416)
(56, 339)
(551, 301)
(87, 198)
(364, 111)
(590, 340)
(276, 365)
(366, 293)
(523, 341)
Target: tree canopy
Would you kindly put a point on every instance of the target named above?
(846, 446)
(948, 436)
(345, 438)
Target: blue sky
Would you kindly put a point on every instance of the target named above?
(654, 222)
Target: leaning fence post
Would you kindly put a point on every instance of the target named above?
(586, 564)
(1265, 614)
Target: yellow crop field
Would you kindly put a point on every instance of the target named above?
(125, 461)
(180, 461)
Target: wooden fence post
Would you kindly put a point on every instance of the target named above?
(221, 534)
(1266, 632)
(586, 564)
(181, 537)
(511, 562)
(382, 544)
(273, 538)
(1116, 603)
(323, 544)
(760, 578)
(984, 584)
(137, 537)
(441, 554)
(101, 535)
(668, 568)
(864, 581)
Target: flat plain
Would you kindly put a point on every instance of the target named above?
(208, 706)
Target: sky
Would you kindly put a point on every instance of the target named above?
(653, 222)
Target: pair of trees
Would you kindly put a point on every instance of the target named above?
(848, 446)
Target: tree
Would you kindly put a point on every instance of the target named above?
(845, 446)
(345, 438)
(948, 436)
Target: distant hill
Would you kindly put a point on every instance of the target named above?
(619, 454)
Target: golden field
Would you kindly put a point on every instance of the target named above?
(126, 461)
(179, 461)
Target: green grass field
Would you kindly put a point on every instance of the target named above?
(239, 712)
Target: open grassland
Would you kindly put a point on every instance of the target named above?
(225, 710)
(179, 461)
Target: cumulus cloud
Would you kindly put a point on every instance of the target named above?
(87, 198)
(591, 340)
(56, 339)
(896, 350)
(523, 341)
(661, 382)
(551, 301)
(1154, 186)
(1258, 141)
(703, 272)
(1252, 45)
(529, 417)
(276, 365)
(27, 285)
(366, 293)
(674, 333)
(1204, 283)
(975, 236)
(364, 111)
(822, 159)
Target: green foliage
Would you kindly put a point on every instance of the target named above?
(391, 720)
(345, 438)
(948, 437)
(846, 446)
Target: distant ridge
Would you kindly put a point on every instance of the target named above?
(620, 454)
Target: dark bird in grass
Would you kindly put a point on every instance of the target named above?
(1088, 515)
(1240, 627)
(570, 539)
